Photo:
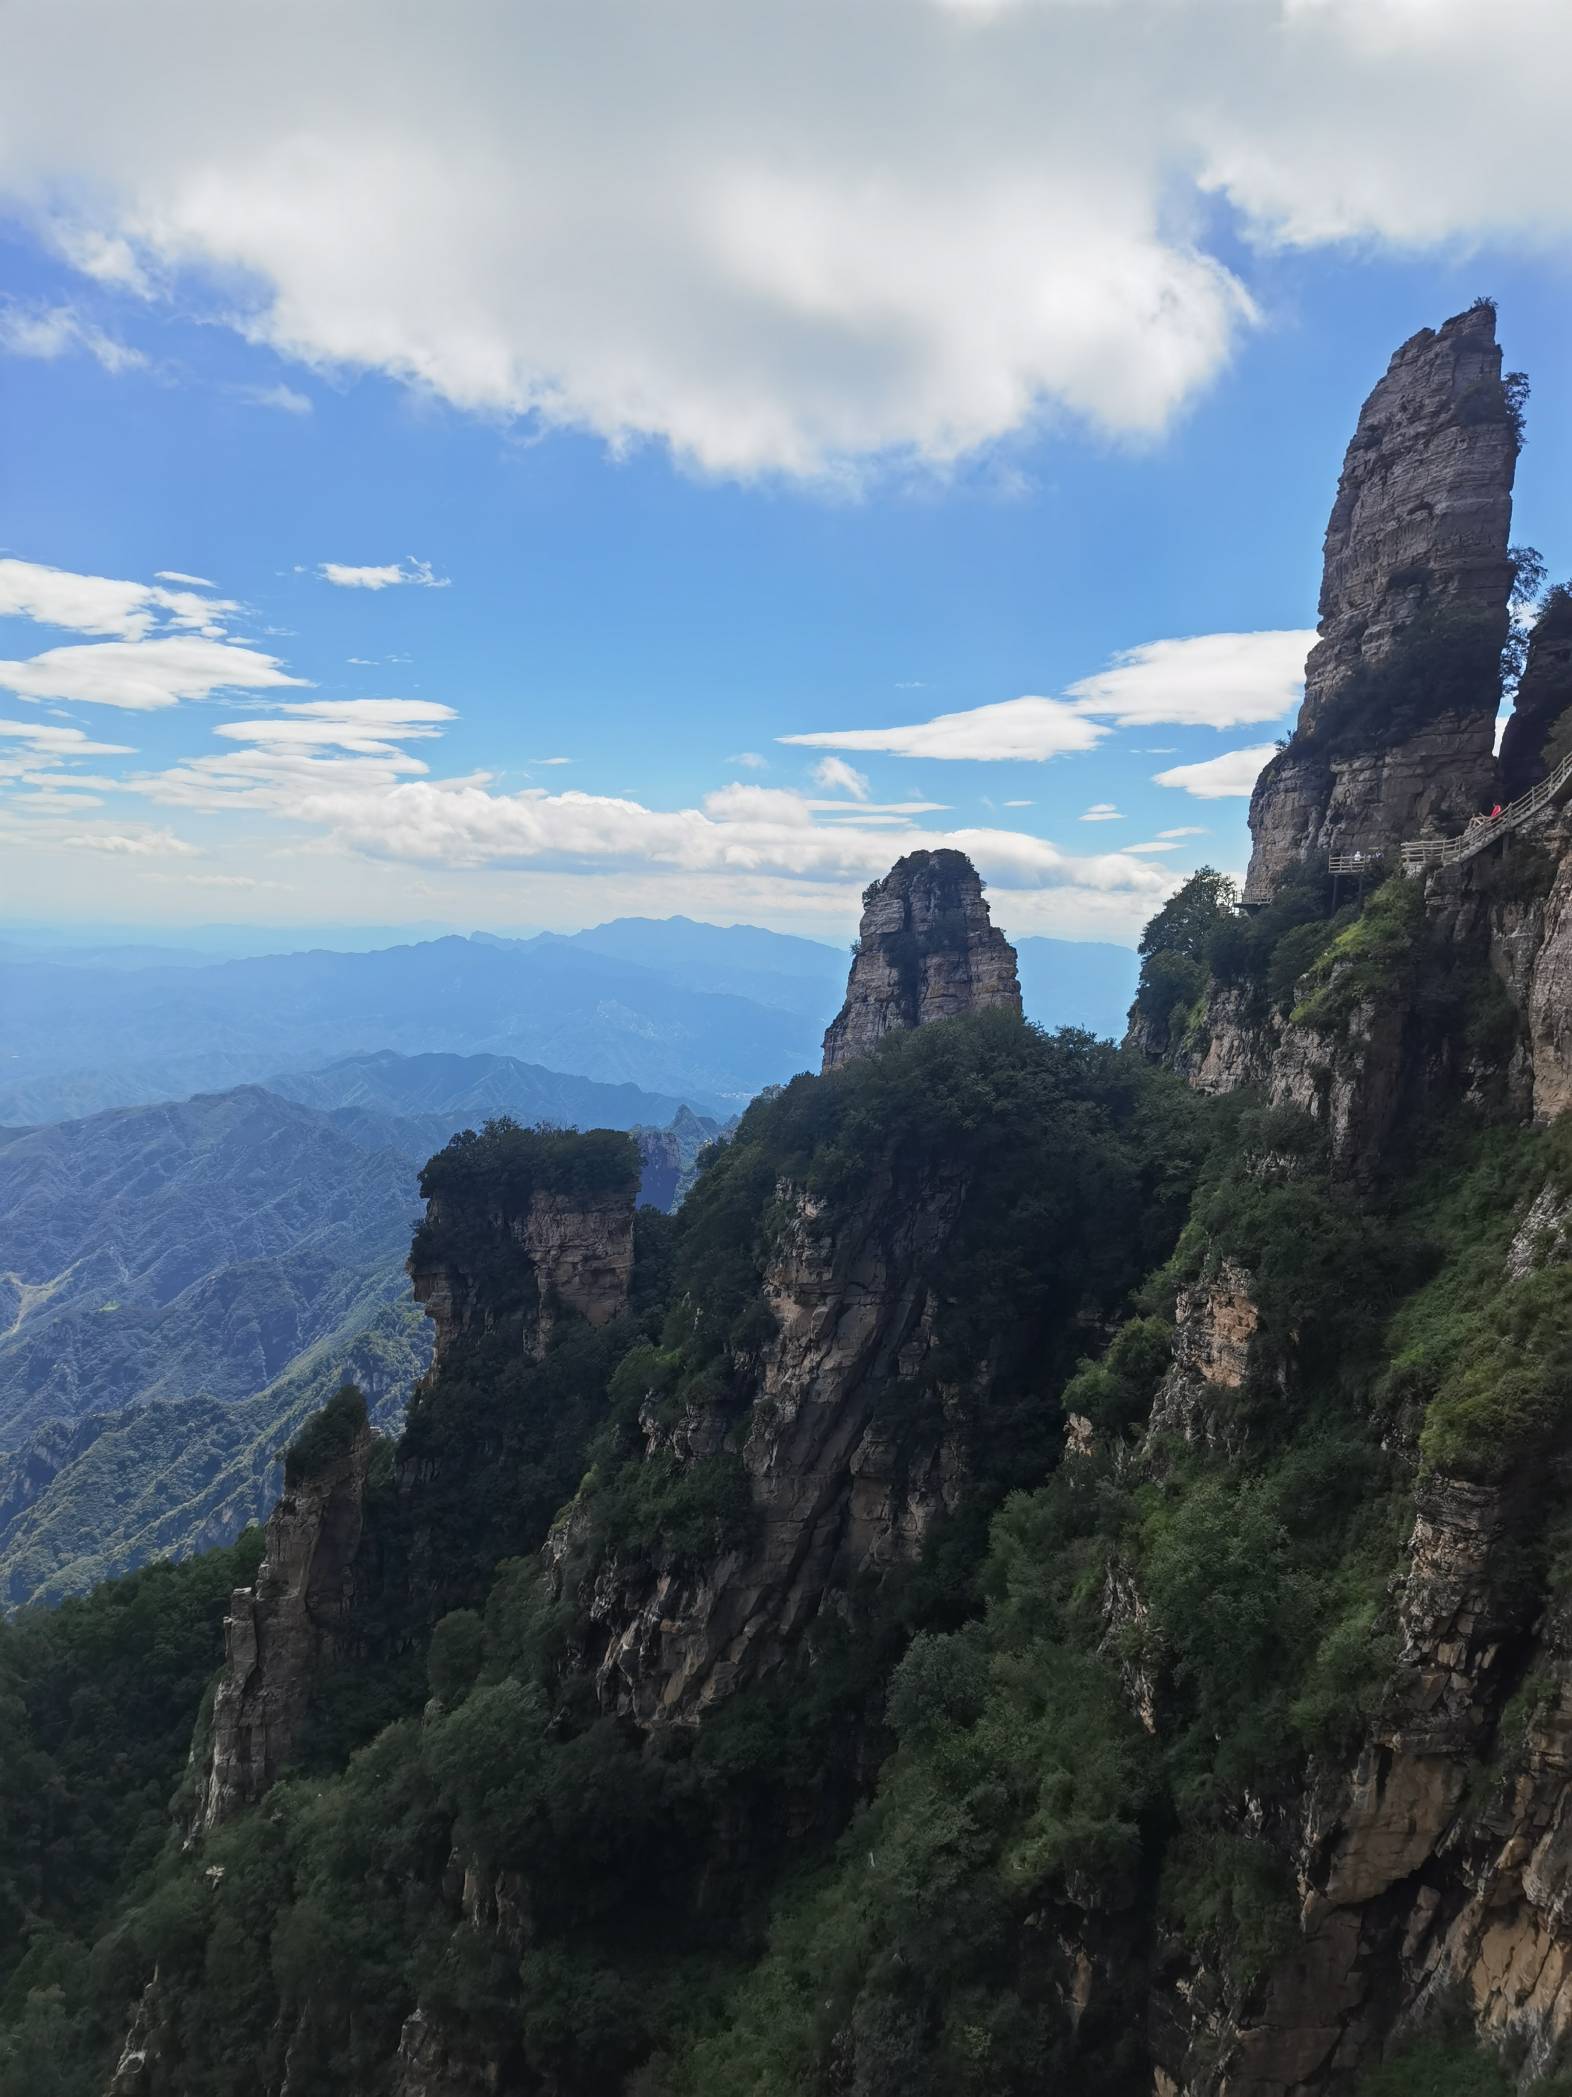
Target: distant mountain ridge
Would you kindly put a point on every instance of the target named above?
(700, 1014)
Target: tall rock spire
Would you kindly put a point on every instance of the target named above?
(926, 950)
(1394, 738)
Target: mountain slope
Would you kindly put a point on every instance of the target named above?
(90, 1501)
(186, 1250)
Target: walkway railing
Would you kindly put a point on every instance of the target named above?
(1421, 854)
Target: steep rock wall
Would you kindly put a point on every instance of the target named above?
(561, 1252)
(281, 1634)
(836, 1482)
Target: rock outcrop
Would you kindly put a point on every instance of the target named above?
(837, 1482)
(926, 950)
(281, 1635)
(1394, 738)
(1539, 733)
(517, 1271)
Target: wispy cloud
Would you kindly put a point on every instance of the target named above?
(392, 575)
(836, 776)
(1101, 812)
(286, 399)
(1029, 729)
(48, 332)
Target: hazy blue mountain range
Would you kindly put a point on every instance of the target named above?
(180, 1284)
(384, 1082)
(704, 1014)
(1078, 983)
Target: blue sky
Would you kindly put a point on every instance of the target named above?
(611, 535)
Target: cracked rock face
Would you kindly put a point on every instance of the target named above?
(838, 1485)
(566, 1252)
(926, 950)
(1394, 738)
(280, 1634)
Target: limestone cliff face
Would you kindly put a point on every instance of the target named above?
(1394, 738)
(926, 950)
(281, 1634)
(838, 1484)
(1539, 732)
(518, 1271)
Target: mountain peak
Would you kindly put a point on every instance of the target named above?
(926, 949)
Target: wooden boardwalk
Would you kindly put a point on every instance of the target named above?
(1423, 853)
(1419, 855)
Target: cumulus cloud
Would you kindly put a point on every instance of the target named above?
(1209, 680)
(905, 227)
(750, 760)
(1101, 812)
(391, 576)
(836, 776)
(54, 331)
(1027, 729)
(144, 675)
(1220, 778)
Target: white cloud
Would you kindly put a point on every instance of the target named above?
(134, 844)
(197, 582)
(372, 727)
(102, 604)
(827, 231)
(1187, 830)
(551, 760)
(390, 576)
(287, 399)
(1216, 680)
(750, 760)
(1101, 812)
(1027, 729)
(48, 332)
(48, 736)
(1209, 680)
(1219, 778)
(835, 775)
(144, 675)
(1019, 804)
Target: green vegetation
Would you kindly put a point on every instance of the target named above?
(327, 1436)
(97, 1700)
(1369, 957)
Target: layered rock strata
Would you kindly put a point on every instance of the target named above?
(283, 1633)
(1395, 735)
(926, 950)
